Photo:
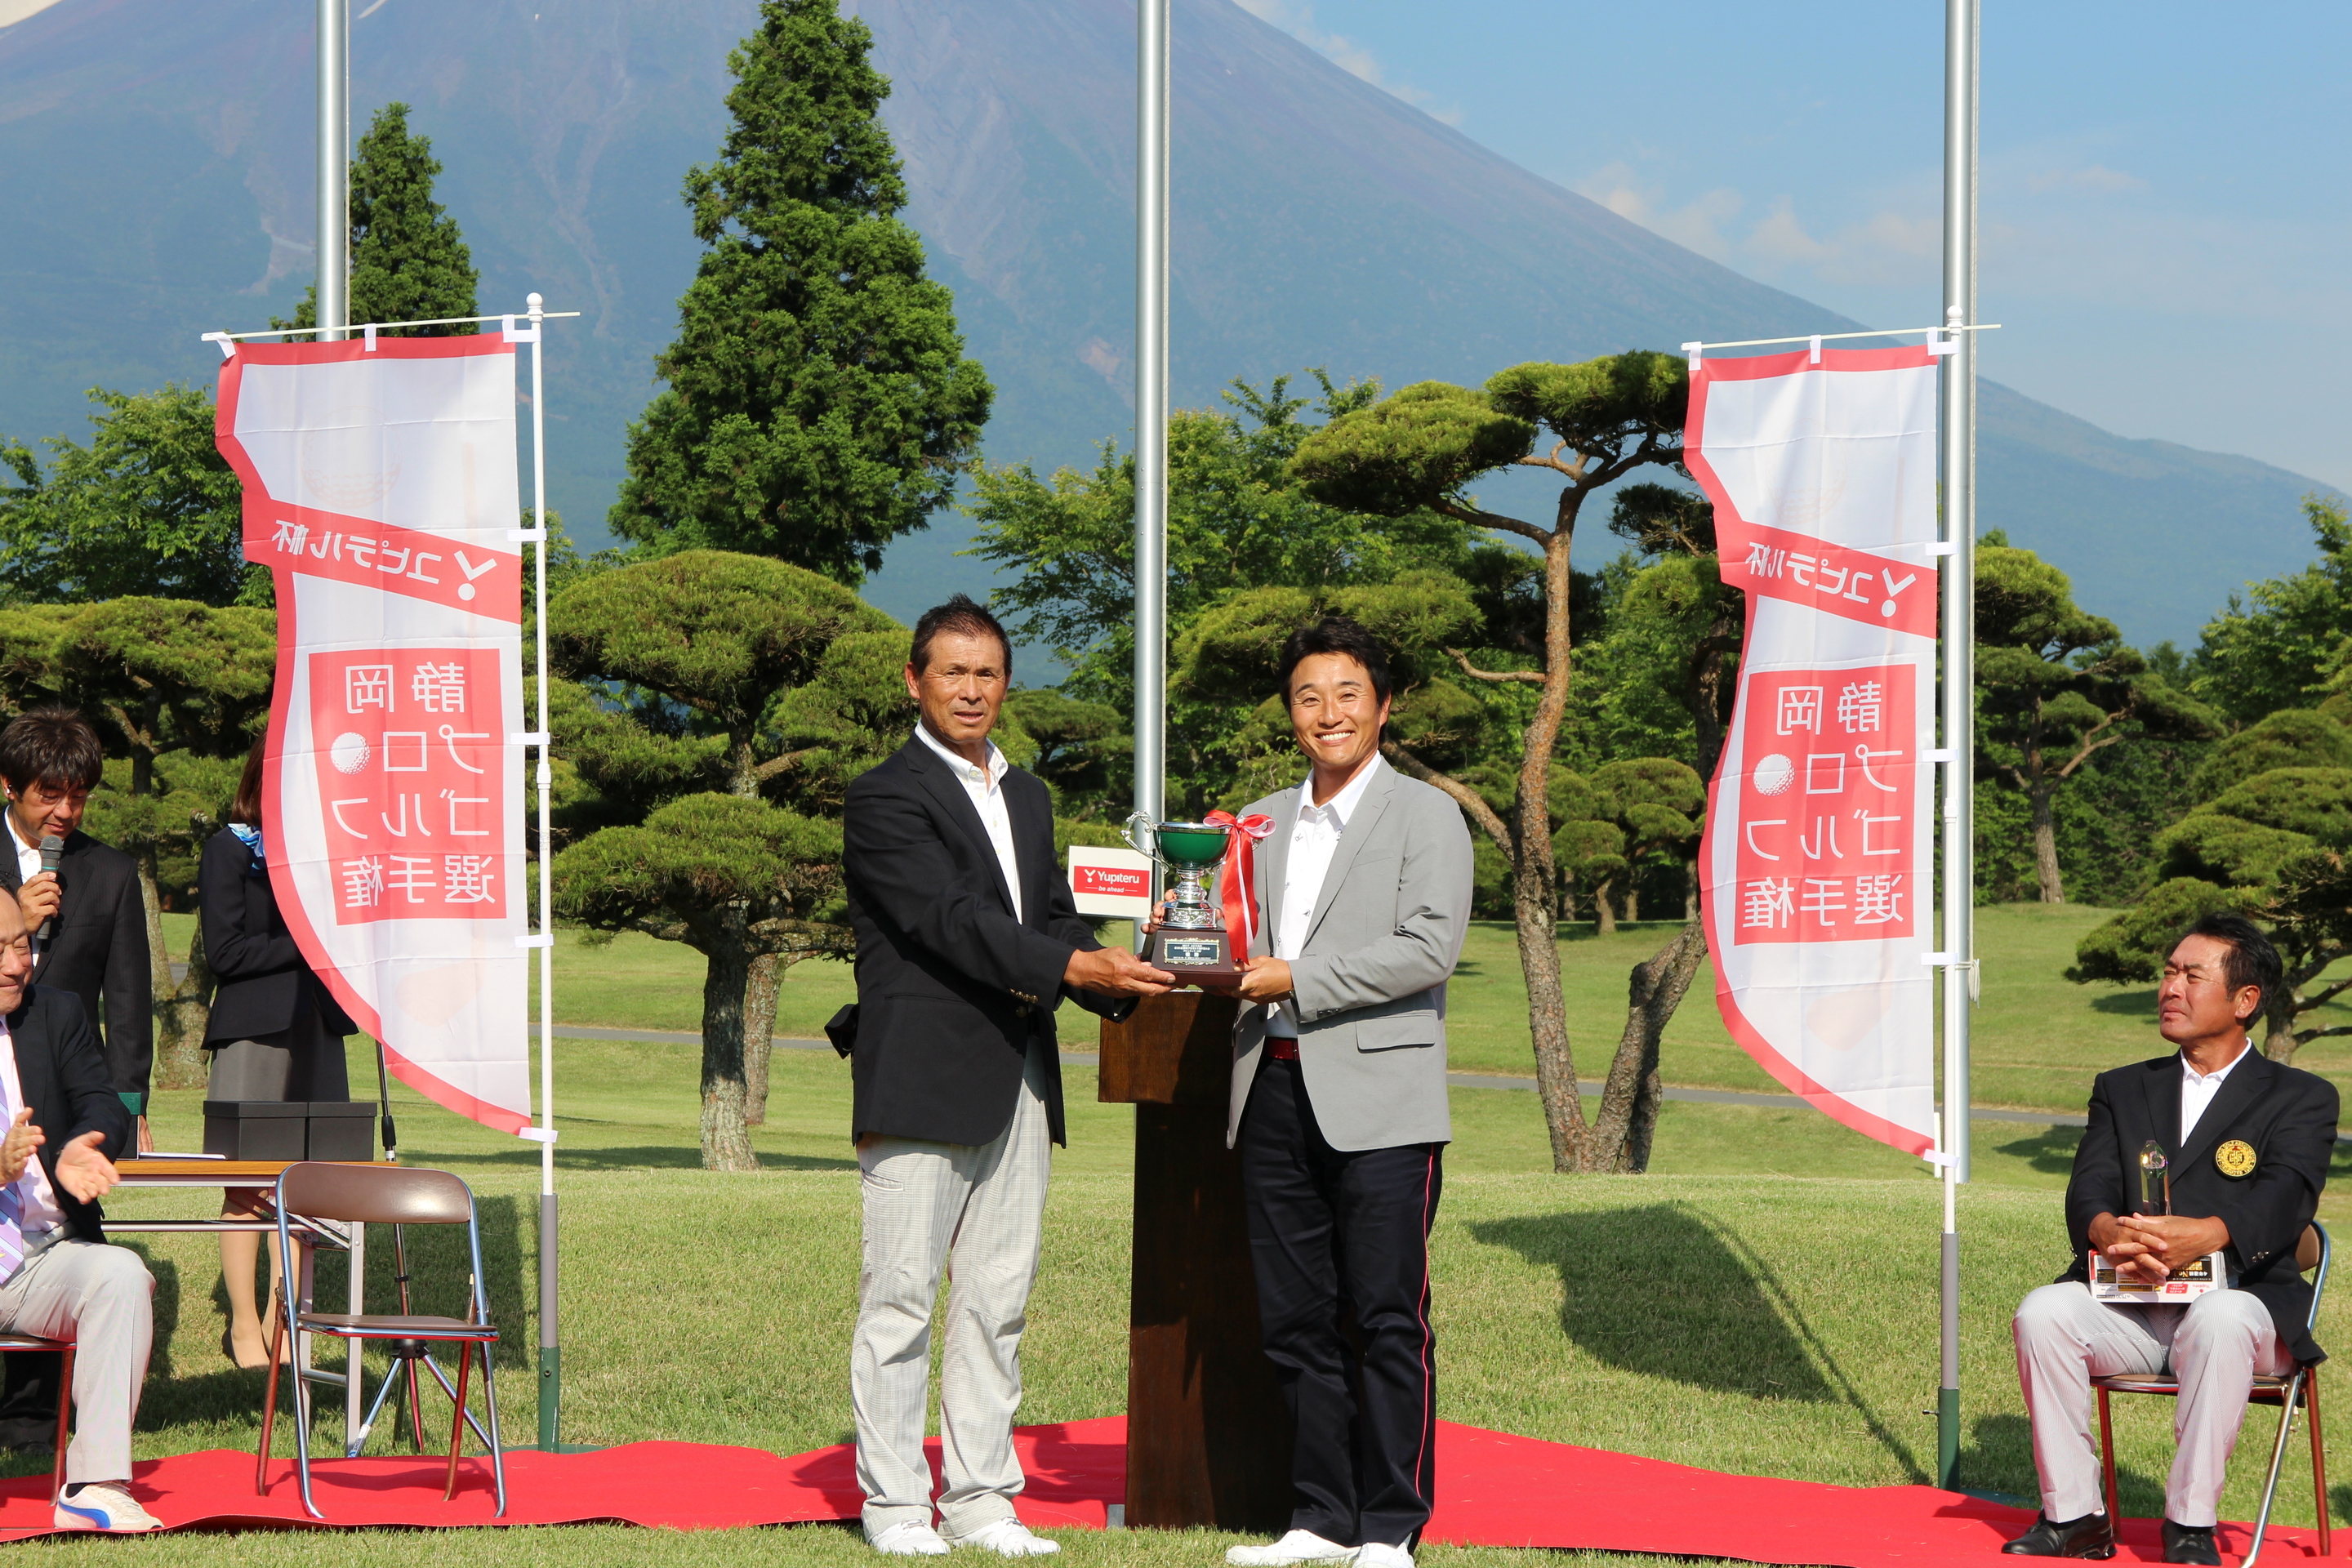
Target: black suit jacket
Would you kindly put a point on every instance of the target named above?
(2286, 1115)
(951, 984)
(99, 951)
(264, 982)
(65, 1079)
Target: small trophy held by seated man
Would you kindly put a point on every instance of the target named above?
(2185, 1284)
(1188, 939)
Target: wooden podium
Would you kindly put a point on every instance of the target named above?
(1208, 1439)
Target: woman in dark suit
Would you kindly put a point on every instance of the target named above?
(276, 1031)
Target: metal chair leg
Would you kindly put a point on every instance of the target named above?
(457, 1421)
(2107, 1461)
(2318, 1456)
(269, 1403)
(64, 1412)
(2287, 1397)
(498, 1453)
(400, 1276)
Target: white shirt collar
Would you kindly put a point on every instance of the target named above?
(962, 767)
(2195, 1080)
(1341, 807)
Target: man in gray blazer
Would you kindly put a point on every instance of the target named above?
(1339, 1106)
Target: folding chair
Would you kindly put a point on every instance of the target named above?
(65, 1350)
(2299, 1386)
(396, 1195)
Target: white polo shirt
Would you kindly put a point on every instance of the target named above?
(986, 788)
(2198, 1090)
(1314, 839)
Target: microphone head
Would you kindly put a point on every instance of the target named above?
(53, 850)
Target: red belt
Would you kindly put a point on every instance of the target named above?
(1282, 1049)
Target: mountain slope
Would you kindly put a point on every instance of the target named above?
(158, 157)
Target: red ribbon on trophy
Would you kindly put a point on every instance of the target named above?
(1237, 881)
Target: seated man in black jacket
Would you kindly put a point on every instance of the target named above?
(2246, 1144)
(59, 1279)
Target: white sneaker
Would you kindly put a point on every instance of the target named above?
(1009, 1538)
(908, 1538)
(1299, 1546)
(102, 1505)
(1376, 1555)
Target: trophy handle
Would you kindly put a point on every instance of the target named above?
(1148, 848)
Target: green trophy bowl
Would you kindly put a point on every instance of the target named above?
(1191, 941)
(1192, 846)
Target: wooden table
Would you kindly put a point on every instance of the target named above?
(1208, 1436)
(310, 1234)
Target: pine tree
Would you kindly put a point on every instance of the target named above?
(408, 261)
(818, 401)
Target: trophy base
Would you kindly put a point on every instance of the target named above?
(1195, 957)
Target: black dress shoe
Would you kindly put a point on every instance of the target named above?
(2089, 1536)
(2191, 1544)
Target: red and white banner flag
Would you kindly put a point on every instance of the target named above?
(1817, 866)
(380, 491)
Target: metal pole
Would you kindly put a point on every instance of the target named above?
(550, 1354)
(1958, 464)
(1150, 404)
(334, 171)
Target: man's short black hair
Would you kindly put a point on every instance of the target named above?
(2253, 960)
(1334, 634)
(963, 614)
(52, 747)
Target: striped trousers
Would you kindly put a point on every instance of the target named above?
(978, 1210)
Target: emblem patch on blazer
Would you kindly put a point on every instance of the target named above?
(2236, 1158)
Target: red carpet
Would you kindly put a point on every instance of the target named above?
(1495, 1489)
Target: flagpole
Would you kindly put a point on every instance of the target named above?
(551, 1352)
(334, 284)
(1150, 406)
(1958, 464)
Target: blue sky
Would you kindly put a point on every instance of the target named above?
(2165, 196)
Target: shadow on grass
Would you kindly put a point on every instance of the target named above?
(1712, 1312)
(2127, 1004)
(2000, 1460)
(2049, 1151)
(638, 1157)
(1704, 1320)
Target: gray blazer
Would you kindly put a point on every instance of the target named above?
(1370, 978)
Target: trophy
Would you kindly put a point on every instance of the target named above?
(2155, 1180)
(1190, 941)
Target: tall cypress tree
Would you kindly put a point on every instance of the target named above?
(818, 401)
(408, 261)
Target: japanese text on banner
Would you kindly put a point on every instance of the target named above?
(1826, 806)
(409, 781)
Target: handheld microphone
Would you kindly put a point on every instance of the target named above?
(53, 850)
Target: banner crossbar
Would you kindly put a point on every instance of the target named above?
(381, 326)
(1832, 337)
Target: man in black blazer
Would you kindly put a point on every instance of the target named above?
(2245, 1143)
(59, 1279)
(97, 947)
(967, 942)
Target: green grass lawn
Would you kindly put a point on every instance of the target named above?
(1764, 1301)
